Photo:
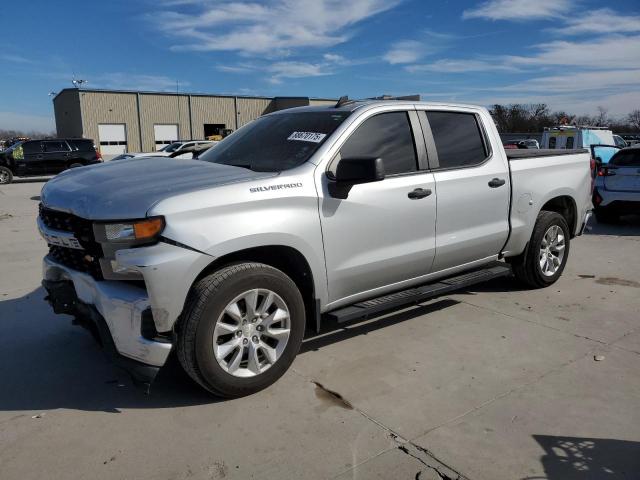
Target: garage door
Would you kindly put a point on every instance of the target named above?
(113, 138)
(165, 135)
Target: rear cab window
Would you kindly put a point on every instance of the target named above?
(459, 139)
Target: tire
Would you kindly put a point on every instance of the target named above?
(606, 216)
(75, 165)
(205, 317)
(6, 176)
(528, 267)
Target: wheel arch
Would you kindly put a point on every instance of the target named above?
(285, 258)
(564, 205)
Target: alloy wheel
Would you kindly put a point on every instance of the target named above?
(251, 333)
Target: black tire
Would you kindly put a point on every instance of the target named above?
(526, 267)
(206, 301)
(606, 216)
(6, 176)
(75, 165)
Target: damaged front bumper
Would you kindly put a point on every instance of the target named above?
(117, 312)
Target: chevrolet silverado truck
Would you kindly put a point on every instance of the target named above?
(302, 216)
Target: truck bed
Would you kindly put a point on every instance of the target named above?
(513, 154)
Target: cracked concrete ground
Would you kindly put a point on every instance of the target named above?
(492, 383)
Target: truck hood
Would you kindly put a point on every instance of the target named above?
(129, 188)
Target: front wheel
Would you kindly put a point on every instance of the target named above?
(241, 329)
(546, 255)
(6, 176)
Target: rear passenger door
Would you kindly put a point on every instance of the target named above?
(56, 156)
(472, 185)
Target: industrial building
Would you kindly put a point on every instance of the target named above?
(129, 121)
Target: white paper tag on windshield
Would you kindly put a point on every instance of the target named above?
(307, 136)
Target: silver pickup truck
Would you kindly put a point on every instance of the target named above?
(302, 216)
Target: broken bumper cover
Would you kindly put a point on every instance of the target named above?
(111, 309)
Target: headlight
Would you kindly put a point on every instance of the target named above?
(137, 231)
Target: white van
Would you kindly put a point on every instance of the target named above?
(568, 137)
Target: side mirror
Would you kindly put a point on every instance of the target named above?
(359, 170)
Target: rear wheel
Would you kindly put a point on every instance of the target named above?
(546, 255)
(241, 329)
(75, 165)
(6, 176)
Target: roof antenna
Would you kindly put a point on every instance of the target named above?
(344, 99)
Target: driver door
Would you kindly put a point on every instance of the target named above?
(381, 237)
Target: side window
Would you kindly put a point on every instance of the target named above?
(31, 147)
(552, 142)
(569, 143)
(387, 136)
(458, 138)
(55, 146)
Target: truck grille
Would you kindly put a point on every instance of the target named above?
(86, 260)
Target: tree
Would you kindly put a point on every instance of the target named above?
(634, 120)
(602, 117)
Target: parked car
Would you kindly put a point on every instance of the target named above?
(178, 146)
(46, 157)
(617, 186)
(301, 215)
(524, 143)
(190, 150)
(619, 141)
(631, 139)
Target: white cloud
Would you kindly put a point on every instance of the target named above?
(282, 70)
(460, 66)
(272, 28)
(127, 81)
(601, 21)
(601, 80)
(26, 122)
(520, 10)
(406, 51)
(605, 52)
(7, 57)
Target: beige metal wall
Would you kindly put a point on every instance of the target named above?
(251, 108)
(211, 110)
(163, 109)
(68, 115)
(108, 107)
(321, 101)
(78, 113)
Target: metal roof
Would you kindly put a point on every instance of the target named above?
(186, 94)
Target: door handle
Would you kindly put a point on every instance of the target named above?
(497, 182)
(419, 193)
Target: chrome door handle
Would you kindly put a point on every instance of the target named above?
(419, 193)
(497, 182)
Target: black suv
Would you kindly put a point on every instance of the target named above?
(46, 157)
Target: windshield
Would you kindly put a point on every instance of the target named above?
(276, 142)
(172, 147)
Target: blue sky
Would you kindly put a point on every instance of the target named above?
(571, 54)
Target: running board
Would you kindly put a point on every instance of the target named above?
(374, 306)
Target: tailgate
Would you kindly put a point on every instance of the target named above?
(623, 179)
(624, 171)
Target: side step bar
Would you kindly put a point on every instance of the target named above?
(374, 306)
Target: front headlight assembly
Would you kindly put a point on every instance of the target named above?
(133, 232)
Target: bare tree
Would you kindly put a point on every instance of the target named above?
(634, 119)
(602, 117)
